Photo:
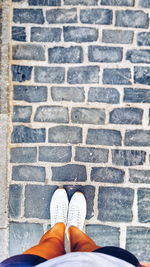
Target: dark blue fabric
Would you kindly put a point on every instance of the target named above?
(23, 260)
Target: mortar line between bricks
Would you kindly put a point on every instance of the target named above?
(123, 236)
(96, 203)
(23, 202)
(135, 207)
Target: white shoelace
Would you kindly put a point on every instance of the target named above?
(60, 213)
(75, 217)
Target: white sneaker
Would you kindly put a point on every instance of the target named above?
(59, 207)
(77, 210)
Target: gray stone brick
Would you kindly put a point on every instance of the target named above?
(117, 36)
(65, 134)
(103, 235)
(138, 242)
(44, 2)
(81, 2)
(136, 95)
(89, 193)
(132, 18)
(96, 16)
(145, 3)
(117, 3)
(139, 176)
(23, 134)
(69, 172)
(117, 76)
(86, 74)
(138, 56)
(144, 205)
(72, 54)
(22, 113)
(35, 208)
(143, 38)
(28, 52)
(28, 173)
(142, 75)
(19, 33)
(91, 154)
(103, 95)
(14, 204)
(88, 115)
(52, 114)
(104, 137)
(115, 204)
(107, 175)
(104, 54)
(21, 73)
(60, 15)
(30, 93)
(128, 157)
(55, 153)
(23, 154)
(74, 94)
(126, 116)
(80, 34)
(43, 34)
(49, 74)
(137, 138)
(23, 236)
(28, 16)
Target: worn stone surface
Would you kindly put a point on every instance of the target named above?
(72, 54)
(80, 34)
(105, 54)
(70, 172)
(116, 76)
(28, 16)
(28, 52)
(61, 16)
(107, 175)
(74, 94)
(81, 2)
(15, 196)
(142, 75)
(85, 115)
(143, 38)
(103, 137)
(22, 113)
(19, 33)
(137, 138)
(128, 157)
(30, 93)
(139, 176)
(23, 154)
(21, 73)
(51, 114)
(55, 154)
(80, 75)
(138, 56)
(44, 2)
(117, 36)
(23, 134)
(65, 134)
(90, 154)
(136, 95)
(126, 116)
(103, 95)
(130, 18)
(96, 16)
(144, 205)
(49, 74)
(117, 3)
(42, 34)
(28, 173)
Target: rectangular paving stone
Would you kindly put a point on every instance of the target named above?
(72, 54)
(74, 94)
(28, 52)
(126, 116)
(103, 95)
(117, 3)
(104, 137)
(117, 36)
(91, 154)
(69, 172)
(49, 74)
(107, 175)
(96, 16)
(142, 75)
(105, 54)
(14, 204)
(19, 33)
(30, 93)
(45, 34)
(23, 236)
(80, 75)
(138, 56)
(22, 113)
(89, 193)
(23, 134)
(138, 242)
(23, 154)
(34, 208)
(88, 115)
(21, 73)
(136, 95)
(44, 2)
(137, 138)
(81, 2)
(28, 16)
(139, 176)
(28, 173)
(117, 76)
(55, 153)
(65, 134)
(61, 15)
(143, 38)
(144, 205)
(128, 157)
(132, 18)
(80, 34)
(145, 3)
(57, 114)
(103, 235)
(115, 204)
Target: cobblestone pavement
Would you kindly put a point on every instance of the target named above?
(79, 105)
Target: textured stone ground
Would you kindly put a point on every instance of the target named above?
(79, 117)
